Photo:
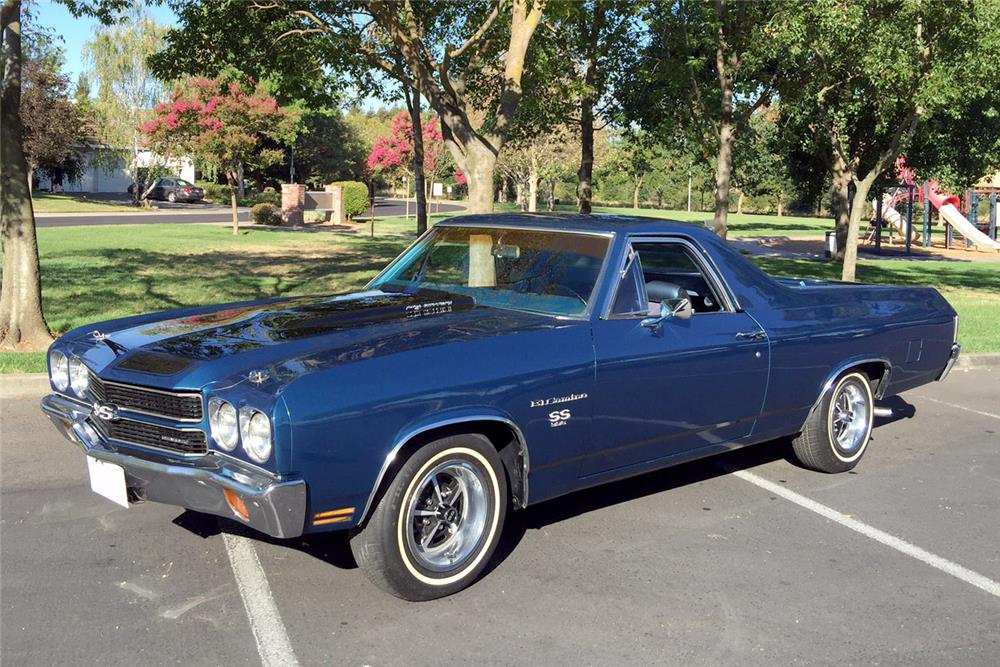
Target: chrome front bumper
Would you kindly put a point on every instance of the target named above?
(952, 358)
(275, 506)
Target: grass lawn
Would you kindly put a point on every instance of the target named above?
(48, 202)
(89, 274)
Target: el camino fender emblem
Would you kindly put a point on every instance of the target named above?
(555, 400)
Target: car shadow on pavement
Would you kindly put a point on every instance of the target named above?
(332, 548)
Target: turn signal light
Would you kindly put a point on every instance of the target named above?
(236, 504)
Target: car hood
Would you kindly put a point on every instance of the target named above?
(289, 337)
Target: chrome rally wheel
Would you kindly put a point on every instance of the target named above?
(446, 516)
(837, 432)
(850, 419)
(434, 530)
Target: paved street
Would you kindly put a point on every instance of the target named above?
(726, 561)
(201, 213)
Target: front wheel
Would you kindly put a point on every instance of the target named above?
(437, 525)
(837, 432)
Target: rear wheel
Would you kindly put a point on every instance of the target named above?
(172, 197)
(437, 525)
(836, 434)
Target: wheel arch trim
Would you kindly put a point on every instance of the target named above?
(845, 366)
(415, 432)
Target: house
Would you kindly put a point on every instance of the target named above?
(106, 171)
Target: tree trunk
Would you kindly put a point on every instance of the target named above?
(232, 177)
(723, 171)
(413, 105)
(552, 195)
(636, 191)
(854, 226)
(479, 166)
(839, 195)
(781, 207)
(22, 325)
(585, 188)
(240, 185)
(739, 203)
(533, 183)
(519, 189)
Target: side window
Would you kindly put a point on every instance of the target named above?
(669, 264)
(630, 299)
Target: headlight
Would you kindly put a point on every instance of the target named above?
(255, 428)
(222, 419)
(59, 370)
(79, 376)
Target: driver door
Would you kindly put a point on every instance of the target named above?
(684, 385)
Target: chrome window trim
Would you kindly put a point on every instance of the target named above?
(595, 293)
(409, 435)
(702, 258)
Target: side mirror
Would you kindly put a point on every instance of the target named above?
(679, 308)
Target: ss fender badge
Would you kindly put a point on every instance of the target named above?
(559, 418)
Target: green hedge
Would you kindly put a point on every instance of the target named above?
(355, 197)
(266, 214)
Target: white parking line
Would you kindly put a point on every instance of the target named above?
(961, 407)
(269, 632)
(899, 544)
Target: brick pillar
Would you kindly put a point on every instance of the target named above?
(336, 215)
(293, 201)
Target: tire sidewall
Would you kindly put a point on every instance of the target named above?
(861, 380)
(407, 575)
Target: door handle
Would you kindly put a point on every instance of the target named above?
(751, 335)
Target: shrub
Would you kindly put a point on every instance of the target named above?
(355, 197)
(265, 214)
(214, 191)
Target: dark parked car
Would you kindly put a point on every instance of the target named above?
(498, 362)
(174, 189)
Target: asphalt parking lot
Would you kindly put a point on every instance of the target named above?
(743, 559)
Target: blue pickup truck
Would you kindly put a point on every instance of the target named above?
(498, 362)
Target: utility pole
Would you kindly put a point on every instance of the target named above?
(291, 166)
(690, 178)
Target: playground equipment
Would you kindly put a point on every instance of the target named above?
(947, 206)
(929, 193)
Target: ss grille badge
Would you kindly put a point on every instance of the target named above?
(105, 412)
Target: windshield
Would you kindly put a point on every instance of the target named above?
(523, 269)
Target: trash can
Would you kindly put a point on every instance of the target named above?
(831, 245)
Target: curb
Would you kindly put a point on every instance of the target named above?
(968, 362)
(20, 385)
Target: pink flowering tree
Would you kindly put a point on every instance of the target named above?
(222, 124)
(391, 157)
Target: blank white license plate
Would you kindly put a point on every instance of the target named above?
(108, 480)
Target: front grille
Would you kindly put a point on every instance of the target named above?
(181, 441)
(184, 406)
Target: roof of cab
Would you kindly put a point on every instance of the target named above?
(575, 222)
